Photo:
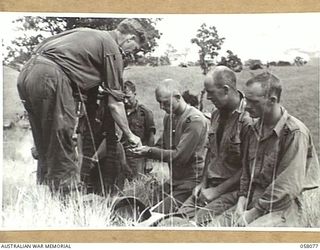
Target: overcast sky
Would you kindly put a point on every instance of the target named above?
(257, 36)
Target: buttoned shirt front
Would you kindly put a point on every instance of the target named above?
(225, 159)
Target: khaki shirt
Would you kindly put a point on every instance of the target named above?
(88, 57)
(182, 144)
(141, 123)
(225, 160)
(284, 163)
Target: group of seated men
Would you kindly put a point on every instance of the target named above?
(249, 167)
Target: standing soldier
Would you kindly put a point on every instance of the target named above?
(66, 65)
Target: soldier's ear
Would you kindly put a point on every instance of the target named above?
(273, 99)
(226, 88)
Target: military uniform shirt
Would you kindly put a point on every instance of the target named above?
(284, 163)
(88, 57)
(225, 158)
(141, 122)
(182, 144)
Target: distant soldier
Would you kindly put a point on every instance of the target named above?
(141, 123)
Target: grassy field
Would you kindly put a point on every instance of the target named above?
(26, 205)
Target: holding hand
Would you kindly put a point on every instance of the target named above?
(197, 189)
(140, 151)
(247, 217)
(134, 141)
(209, 194)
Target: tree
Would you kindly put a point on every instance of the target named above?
(170, 50)
(209, 42)
(254, 64)
(298, 61)
(36, 29)
(232, 61)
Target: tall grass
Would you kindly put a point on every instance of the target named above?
(26, 205)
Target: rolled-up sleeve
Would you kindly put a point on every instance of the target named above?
(113, 81)
(290, 176)
(188, 143)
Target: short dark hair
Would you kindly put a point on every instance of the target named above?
(226, 76)
(269, 82)
(190, 98)
(129, 86)
(133, 26)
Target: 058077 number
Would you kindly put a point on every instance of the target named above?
(309, 245)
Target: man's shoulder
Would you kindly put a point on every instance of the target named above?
(293, 124)
(194, 115)
(245, 118)
(143, 108)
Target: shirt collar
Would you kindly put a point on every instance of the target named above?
(280, 124)
(242, 104)
(278, 127)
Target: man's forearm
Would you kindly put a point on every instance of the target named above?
(151, 139)
(205, 169)
(119, 115)
(225, 186)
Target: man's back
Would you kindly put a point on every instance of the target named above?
(83, 53)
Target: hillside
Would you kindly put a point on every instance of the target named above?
(300, 90)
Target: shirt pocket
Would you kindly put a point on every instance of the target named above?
(267, 173)
(233, 152)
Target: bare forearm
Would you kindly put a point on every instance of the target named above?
(118, 113)
(151, 140)
(229, 183)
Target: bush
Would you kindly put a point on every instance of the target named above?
(283, 63)
(232, 61)
(254, 64)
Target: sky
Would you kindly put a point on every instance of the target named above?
(268, 37)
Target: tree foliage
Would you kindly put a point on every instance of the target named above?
(299, 61)
(209, 42)
(232, 61)
(254, 64)
(36, 29)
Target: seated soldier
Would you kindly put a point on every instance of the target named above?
(279, 161)
(141, 123)
(181, 145)
(222, 171)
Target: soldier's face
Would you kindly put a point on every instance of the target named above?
(129, 99)
(131, 44)
(217, 95)
(257, 104)
(167, 102)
